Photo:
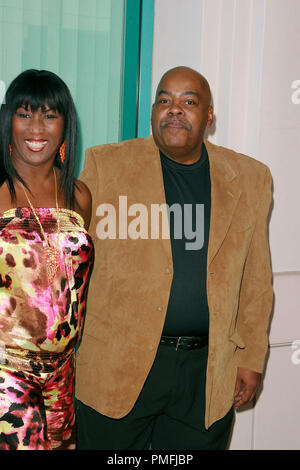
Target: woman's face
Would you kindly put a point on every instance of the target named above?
(36, 135)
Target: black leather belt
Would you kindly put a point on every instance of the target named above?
(185, 342)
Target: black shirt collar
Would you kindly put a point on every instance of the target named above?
(168, 162)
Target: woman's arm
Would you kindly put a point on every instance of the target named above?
(84, 198)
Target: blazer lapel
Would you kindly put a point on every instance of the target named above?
(225, 194)
(156, 189)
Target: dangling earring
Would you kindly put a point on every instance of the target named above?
(62, 152)
(10, 149)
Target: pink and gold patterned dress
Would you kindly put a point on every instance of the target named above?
(40, 325)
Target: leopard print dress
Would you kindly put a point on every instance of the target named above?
(40, 326)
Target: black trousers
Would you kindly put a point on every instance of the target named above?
(168, 415)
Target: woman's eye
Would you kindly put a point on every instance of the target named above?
(50, 116)
(23, 115)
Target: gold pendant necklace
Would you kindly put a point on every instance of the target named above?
(51, 253)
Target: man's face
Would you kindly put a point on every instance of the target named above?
(180, 114)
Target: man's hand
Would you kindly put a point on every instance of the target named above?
(247, 382)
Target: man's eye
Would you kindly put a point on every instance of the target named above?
(190, 102)
(163, 100)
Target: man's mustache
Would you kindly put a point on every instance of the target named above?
(172, 119)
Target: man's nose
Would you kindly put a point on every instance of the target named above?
(175, 109)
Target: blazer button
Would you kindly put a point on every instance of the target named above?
(159, 309)
(151, 348)
(168, 270)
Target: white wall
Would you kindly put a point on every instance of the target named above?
(249, 50)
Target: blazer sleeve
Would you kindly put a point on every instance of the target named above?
(256, 294)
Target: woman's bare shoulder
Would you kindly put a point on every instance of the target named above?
(84, 200)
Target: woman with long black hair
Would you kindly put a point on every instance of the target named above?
(46, 258)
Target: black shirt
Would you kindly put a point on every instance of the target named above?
(188, 186)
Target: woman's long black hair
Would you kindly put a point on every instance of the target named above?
(36, 88)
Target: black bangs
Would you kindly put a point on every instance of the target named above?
(39, 89)
(38, 102)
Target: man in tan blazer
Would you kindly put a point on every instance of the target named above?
(176, 329)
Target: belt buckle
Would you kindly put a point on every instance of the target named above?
(178, 341)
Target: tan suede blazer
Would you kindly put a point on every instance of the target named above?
(131, 282)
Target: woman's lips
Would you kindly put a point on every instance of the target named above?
(36, 145)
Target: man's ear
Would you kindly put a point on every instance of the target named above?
(210, 116)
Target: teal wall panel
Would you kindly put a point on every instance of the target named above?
(102, 49)
(80, 40)
(131, 69)
(137, 68)
(144, 107)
